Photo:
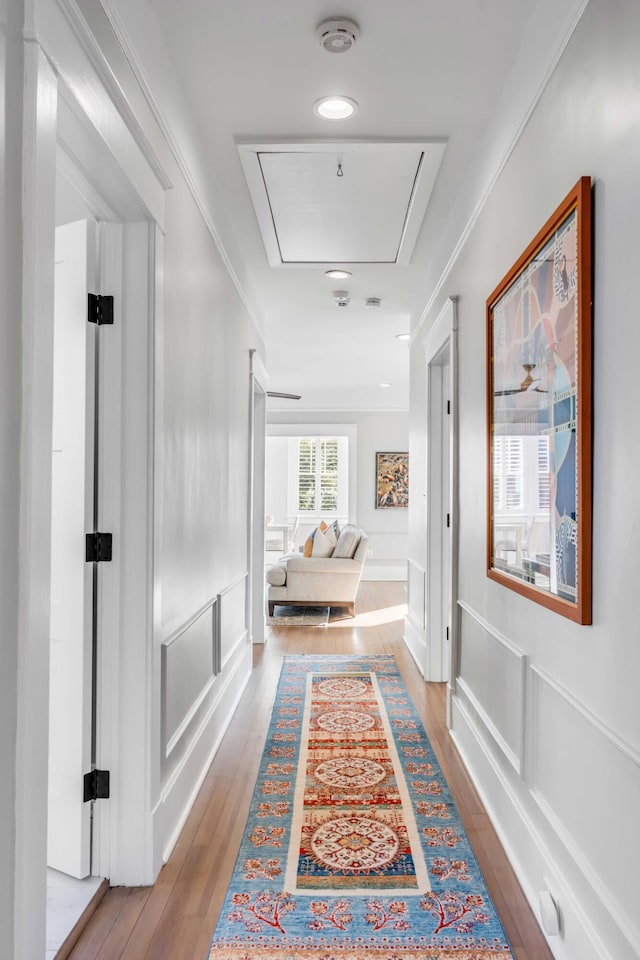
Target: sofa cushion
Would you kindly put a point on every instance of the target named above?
(347, 542)
(277, 575)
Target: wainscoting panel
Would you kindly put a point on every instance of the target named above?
(492, 680)
(188, 668)
(232, 612)
(586, 780)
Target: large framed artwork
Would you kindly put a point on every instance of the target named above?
(392, 480)
(539, 400)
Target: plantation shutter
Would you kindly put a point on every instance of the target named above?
(328, 475)
(306, 475)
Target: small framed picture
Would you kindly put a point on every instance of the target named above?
(392, 480)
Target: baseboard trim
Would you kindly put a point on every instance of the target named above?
(416, 644)
(590, 939)
(215, 723)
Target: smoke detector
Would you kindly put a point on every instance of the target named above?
(337, 36)
(341, 297)
(373, 303)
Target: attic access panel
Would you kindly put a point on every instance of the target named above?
(371, 213)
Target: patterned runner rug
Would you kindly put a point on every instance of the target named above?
(354, 848)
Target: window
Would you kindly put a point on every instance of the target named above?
(321, 475)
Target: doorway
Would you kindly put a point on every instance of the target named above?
(75, 582)
(440, 593)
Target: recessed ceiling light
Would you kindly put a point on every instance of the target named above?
(335, 108)
(337, 274)
(403, 336)
(386, 384)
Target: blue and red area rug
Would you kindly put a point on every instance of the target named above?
(354, 848)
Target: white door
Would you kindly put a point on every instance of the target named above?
(73, 441)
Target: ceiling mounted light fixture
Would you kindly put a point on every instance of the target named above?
(386, 384)
(373, 303)
(335, 108)
(403, 336)
(337, 36)
(337, 274)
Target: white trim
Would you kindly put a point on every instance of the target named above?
(59, 36)
(491, 630)
(135, 62)
(441, 497)
(113, 89)
(512, 757)
(603, 893)
(32, 739)
(192, 756)
(432, 150)
(626, 748)
(255, 595)
(521, 113)
(519, 760)
(533, 836)
(173, 635)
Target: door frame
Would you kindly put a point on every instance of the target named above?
(258, 378)
(440, 349)
(81, 93)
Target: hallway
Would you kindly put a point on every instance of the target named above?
(174, 920)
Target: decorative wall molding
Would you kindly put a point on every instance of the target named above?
(489, 725)
(517, 830)
(181, 787)
(617, 778)
(615, 739)
(516, 756)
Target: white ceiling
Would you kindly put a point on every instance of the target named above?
(421, 70)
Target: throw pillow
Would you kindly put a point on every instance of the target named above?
(322, 544)
(308, 544)
(347, 543)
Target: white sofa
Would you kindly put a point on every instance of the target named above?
(298, 581)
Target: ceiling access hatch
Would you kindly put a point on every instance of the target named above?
(327, 203)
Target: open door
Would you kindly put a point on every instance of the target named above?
(72, 578)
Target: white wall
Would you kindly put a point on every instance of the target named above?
(546, 712)
(387, 529)
(277, 478)
(11, 85)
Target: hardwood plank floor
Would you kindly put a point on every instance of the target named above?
(174, 919)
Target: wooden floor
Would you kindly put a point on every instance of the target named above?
(174, 919)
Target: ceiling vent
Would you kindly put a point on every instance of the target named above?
(341, 297)
(373, 303)
(337, 36)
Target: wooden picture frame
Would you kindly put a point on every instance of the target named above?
(392, 480)
(539, 416)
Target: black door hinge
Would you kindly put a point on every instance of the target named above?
(447, 633)
(99, 547)
(100, 309)
(448, 406)
(96, 785)
(448, 519)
